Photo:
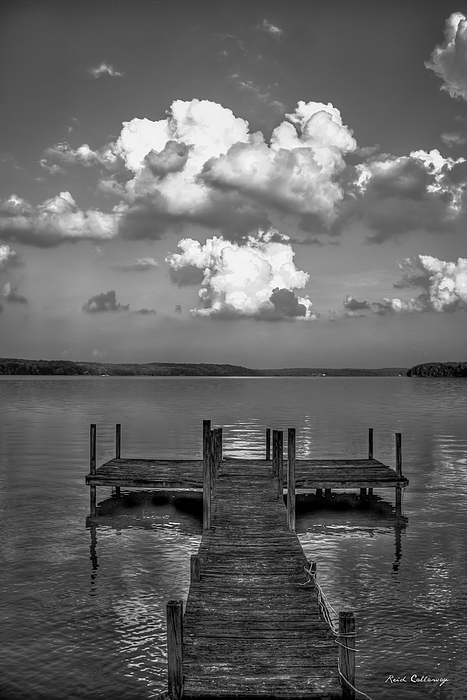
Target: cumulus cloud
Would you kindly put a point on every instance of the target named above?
(9, 258)
(139, 265)
(271, 29)
(422, 191)
(201, 164)
(253, 280)
(104, 69)
(10, 293)
(56, 221)
(444, 286)
(449, 59)
(107, 301)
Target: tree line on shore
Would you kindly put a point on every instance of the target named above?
(15, 366)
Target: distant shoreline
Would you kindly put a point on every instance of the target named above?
(17, 366)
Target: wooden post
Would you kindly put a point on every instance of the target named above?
(347, 653)
(370, 492)
(268, 443)
(275, 453)
(370, 443)
(118, 446)
(194, 568)
(92, 468)
(398, 474)
(278, 460)
(118, 440)
(291, 479)
(207, 474)
(319, 493)
(175, 648)
(362, 493)
(327, 493)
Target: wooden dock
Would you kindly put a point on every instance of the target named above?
(254, 623)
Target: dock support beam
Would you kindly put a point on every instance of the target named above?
(175, 648)
(92, 468)
(398, 474)
(278, 460)
(347, 653)
(118, 448)
(268, 443)
(207, 459)
(291, 479)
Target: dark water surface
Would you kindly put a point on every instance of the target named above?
(83, 616)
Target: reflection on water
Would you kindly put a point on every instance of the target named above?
(83, 605)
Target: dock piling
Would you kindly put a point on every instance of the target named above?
(278, 460)
(268, 444)
(398, 474)
(92, 468)
(175, 648)
(118, 447)
(347, 654)
(207, 468)
(370, 443)
(291, 442)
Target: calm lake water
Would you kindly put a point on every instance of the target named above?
(83, 612)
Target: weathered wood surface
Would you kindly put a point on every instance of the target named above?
(310, 473)
(250, 628)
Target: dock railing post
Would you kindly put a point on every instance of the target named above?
(370, 443)
(207, 459)
(118, 448)
(347, 654)
(175, 648)
(398, 474)
(275, 453)
(291, 479)
(92, 468)
(268, 444)
(278, 461)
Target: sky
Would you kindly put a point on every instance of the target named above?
(263, 183)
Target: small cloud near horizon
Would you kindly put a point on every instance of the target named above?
(104, 69)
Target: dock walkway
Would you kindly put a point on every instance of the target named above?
(251, 625)
(255, 623)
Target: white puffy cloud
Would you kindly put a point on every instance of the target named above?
(253, 280)
(9, 258)
(449, 59)
(444, 286)
(202, 165)
(104, 69)
(296, 172)
(57, 220)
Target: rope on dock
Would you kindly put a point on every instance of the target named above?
(330, 615)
